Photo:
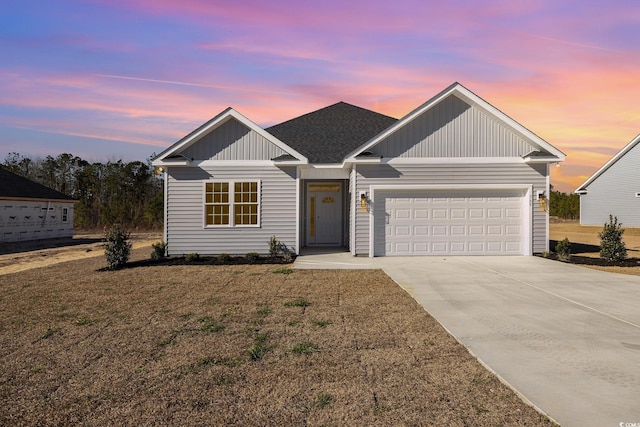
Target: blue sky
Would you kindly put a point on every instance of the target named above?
(123, 79)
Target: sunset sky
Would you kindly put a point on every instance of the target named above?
(122, 79)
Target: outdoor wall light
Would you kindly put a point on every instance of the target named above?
(542, 199)
(363, 200)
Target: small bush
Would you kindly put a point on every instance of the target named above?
(563, 249)
(612, 247)
(252, 257)
(117, 247)
(192, 257)
(159, 250)
(223, 257)
(275, 246)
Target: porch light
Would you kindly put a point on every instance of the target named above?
(363, 200)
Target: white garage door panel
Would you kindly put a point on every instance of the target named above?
(450, 222)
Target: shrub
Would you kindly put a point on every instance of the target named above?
(612, 247)
(252, 257)
(223, 257)
(117, 247)
(159, 250)
(275, 246)
(192, 257)
(563, 249)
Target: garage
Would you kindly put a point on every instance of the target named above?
(451, 222)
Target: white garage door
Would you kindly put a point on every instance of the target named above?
(447, 222)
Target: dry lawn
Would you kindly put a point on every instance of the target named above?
(174, 346)
(585, 242)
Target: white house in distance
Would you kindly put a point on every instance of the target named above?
(31, 211)
(455, 176)
(614, 189)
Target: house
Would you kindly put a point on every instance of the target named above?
(454, 176)
(614, 189)
(30, 211)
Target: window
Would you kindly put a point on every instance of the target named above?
(65, 215)
(231, 203)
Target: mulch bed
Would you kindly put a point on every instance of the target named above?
(209, 260)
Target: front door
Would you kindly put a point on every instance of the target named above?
(324, 214)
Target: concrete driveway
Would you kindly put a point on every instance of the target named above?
(566, 337)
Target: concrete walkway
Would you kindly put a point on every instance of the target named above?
(566, 337)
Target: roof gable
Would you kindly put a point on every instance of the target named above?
(458, 123)
(329, 134)
(228, 136)
(14, 186)
(619, 155)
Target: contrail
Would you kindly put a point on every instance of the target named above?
(171, 82)
(140, 79)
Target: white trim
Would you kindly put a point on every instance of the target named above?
(324, 173)
(607, 165)
(216, 122)
(548, 193)
(298, 218)
(352, 209)
(232, 203)
(527, 204)
(167, 163)
(450, 160)
(166, 208)
(465, 94)
(205, 163)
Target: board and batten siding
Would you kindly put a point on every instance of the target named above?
(614, 192)
(453, 128)
(186, 232)
(452, 174)
(233, 141)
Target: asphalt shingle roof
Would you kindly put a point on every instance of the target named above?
(16, 186)
(329, 134)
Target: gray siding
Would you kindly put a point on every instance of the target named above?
(614, 192)
(233, 141)
(185, 211)
(453, 128)
(452, 174)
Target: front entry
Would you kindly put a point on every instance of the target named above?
(324, 214)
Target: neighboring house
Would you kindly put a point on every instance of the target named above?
(30, 211)
(454, 176)
(614, 189)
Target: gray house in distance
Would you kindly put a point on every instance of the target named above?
(454, 176)
(614, 189)
(30, 211)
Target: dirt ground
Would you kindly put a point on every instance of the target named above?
(233, 345)
(585, 242)
(27, 255)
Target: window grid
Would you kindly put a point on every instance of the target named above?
(219, 205)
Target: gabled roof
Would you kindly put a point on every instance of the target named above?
(14, 186)
(548, 152)
(329, 134)
(610, 163)
(172, 156)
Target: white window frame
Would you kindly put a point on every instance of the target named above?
(65, 215)
(232, 203)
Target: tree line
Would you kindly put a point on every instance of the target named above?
(566, 206)
(109, 193)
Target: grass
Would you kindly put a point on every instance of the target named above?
(305, 347)
(301, 302)
(145, 360)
